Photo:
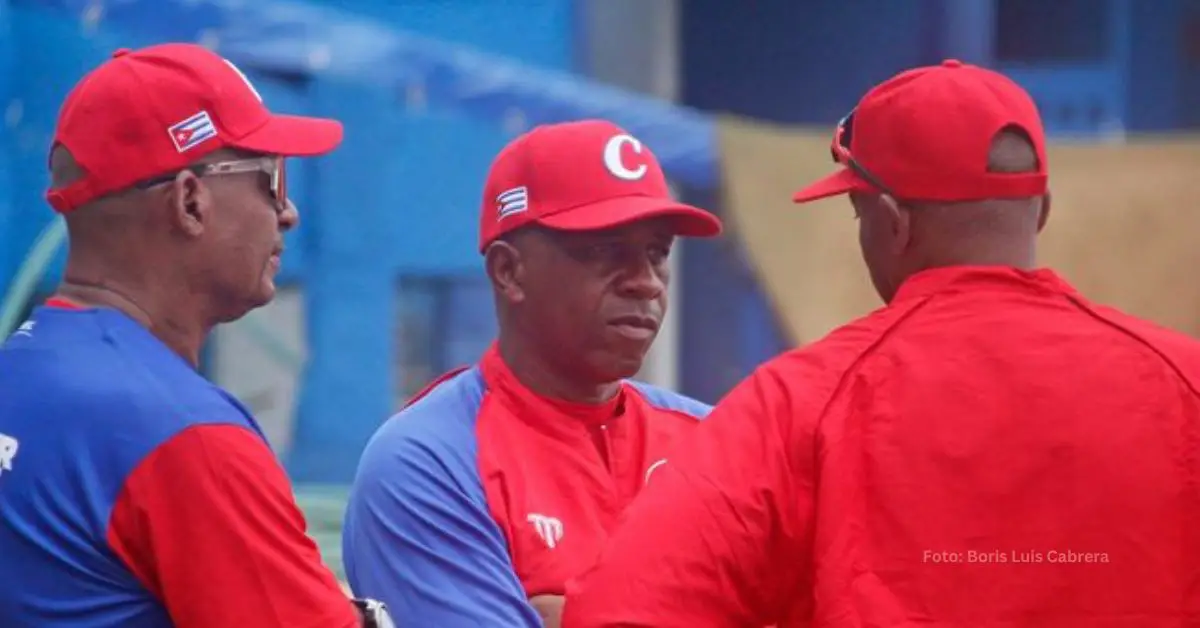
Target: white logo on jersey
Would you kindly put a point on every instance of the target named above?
(26, 329)
(614, 163)
(8, 451)
(549, 528)
(651, 469)
(244, 79)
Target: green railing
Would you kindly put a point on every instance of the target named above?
(324, 508)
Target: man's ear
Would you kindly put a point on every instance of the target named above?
(191, 204)
(1044, 212)
(506, 268)
(898, 223)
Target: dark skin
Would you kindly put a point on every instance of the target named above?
(901, 238)
(579, 310)
(549, 608)
(179, 257)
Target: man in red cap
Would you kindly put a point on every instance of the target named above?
(502, 481)
(135, 493)
(990, 448)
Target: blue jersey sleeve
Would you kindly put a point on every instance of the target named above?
(418, 534)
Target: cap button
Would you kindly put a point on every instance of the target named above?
(121, 52)
(952, 63)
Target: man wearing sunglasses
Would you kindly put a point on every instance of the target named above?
(990, 448)
(135, 493)
(475, 504)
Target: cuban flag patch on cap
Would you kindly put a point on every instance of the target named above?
(192, 132)
(513, 201)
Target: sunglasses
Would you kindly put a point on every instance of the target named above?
(842, 155)
(273, 166)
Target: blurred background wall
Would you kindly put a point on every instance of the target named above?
(383, 287)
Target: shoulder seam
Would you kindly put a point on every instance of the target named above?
(435, 384)
(865, 352)
(1100, 317)
(640, 389)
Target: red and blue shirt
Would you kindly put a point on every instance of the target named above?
(136, 494)
(482, 494)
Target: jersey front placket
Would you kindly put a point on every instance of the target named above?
(562, 467)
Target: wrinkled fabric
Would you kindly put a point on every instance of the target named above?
(990, 449)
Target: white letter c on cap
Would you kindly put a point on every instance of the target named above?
(612, 158)
(245, 79)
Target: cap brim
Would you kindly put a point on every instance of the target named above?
(840, 182)
(687, 221)
(293, 136)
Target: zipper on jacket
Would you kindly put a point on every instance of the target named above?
(603, 445)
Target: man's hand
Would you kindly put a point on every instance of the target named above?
(550, 607)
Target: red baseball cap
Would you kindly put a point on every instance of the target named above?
(581, 176)
(925, 134)
(149, 112)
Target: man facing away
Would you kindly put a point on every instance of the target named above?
(502, 481)
(988, 449)
(133, 492)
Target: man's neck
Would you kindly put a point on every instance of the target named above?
(541, 377)
(1010, 254)
(163, 316)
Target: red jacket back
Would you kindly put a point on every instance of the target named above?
(990, 449)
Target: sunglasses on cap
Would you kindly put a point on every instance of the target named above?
(273, 166)
(842, 155)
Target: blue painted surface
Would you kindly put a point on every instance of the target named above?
(347, 392)
(797, 62)
(545, 26)
(9, 256)
(966, 30)
(1189, 67)
(1075, 63)
(1094, 66)
(1159, 73)
(453, 104)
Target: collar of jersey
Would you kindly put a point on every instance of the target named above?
(970, 278)
(544, 411)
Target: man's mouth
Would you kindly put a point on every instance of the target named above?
(636, 327)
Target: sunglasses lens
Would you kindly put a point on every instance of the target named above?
(841, 138)
(847, 126)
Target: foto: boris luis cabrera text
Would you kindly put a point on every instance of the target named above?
(999, 557)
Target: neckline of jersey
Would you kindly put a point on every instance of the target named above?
(539, 408)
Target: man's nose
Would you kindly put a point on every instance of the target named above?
(289, 216)
(645, 280)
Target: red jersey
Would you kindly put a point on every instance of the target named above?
(990, 449)
(141, 495)
(482, 494)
